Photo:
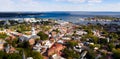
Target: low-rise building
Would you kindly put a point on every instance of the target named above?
(56, 56)
(56, 48)
(2, 42)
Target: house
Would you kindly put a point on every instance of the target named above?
(23, 38)
(53, 33)
(48, 44)
(96, 33)
(11, 37)
(37, 47)
(16, 34)
(29, 57)
(66, 38)
(30, 20)
(61, 22)
(76, 37)
(96, 48)
(19, 20)
(60, 41)
(1, 46)
(31, 41)
(2, 42)
(9, 49)
(81, 32)
(78, 48)
(56, 48)
(42, 46)
(56, 56)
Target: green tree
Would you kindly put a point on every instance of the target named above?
(114, 36)
(3, 35)
(71, 44)
(24, 45)
(34, 54)
(91, 54)
(69, 53)
(42, 35)
(102, 41)
(111, 46)
(13, 56)
(2, 54)
(116, 53)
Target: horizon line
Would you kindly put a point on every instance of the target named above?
(50, 11)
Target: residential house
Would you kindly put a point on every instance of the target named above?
(31, 41)
(81, 32)
(66, 38)
(56, 48)
(2, 42)
(10, 49)
(56, 56)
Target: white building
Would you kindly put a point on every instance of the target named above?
(78, 48)
(66, 38)
(81, 32)
(55, 56)
(33, 31)
(20, 20)
(62, 22)
(30, 20)
(48, 44)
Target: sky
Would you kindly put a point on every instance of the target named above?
(59, 5)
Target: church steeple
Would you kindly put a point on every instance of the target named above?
(33, 30)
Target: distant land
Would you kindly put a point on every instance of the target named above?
(56, 14)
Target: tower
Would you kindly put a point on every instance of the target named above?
(33, 30)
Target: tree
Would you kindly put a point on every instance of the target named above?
(102, 41)
(91, 54)
(70, 54)
(4, 55)
(14, 42)
(24, 45)
(57, 30)
(95, 39)
(117, 46)
(34, 54)
(71, 44)
(3, 35)
(13, 56)
(116, 53)
(42, 35)
(114, 36)
(111, 46)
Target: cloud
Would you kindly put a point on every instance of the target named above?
(80, 1)
(39, 5)
(95, 1)
(73, 1)
(6, 4)
(20, 5)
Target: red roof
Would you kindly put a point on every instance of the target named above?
(56, 48)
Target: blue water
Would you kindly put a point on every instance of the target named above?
(72, 16)
(57, 14)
